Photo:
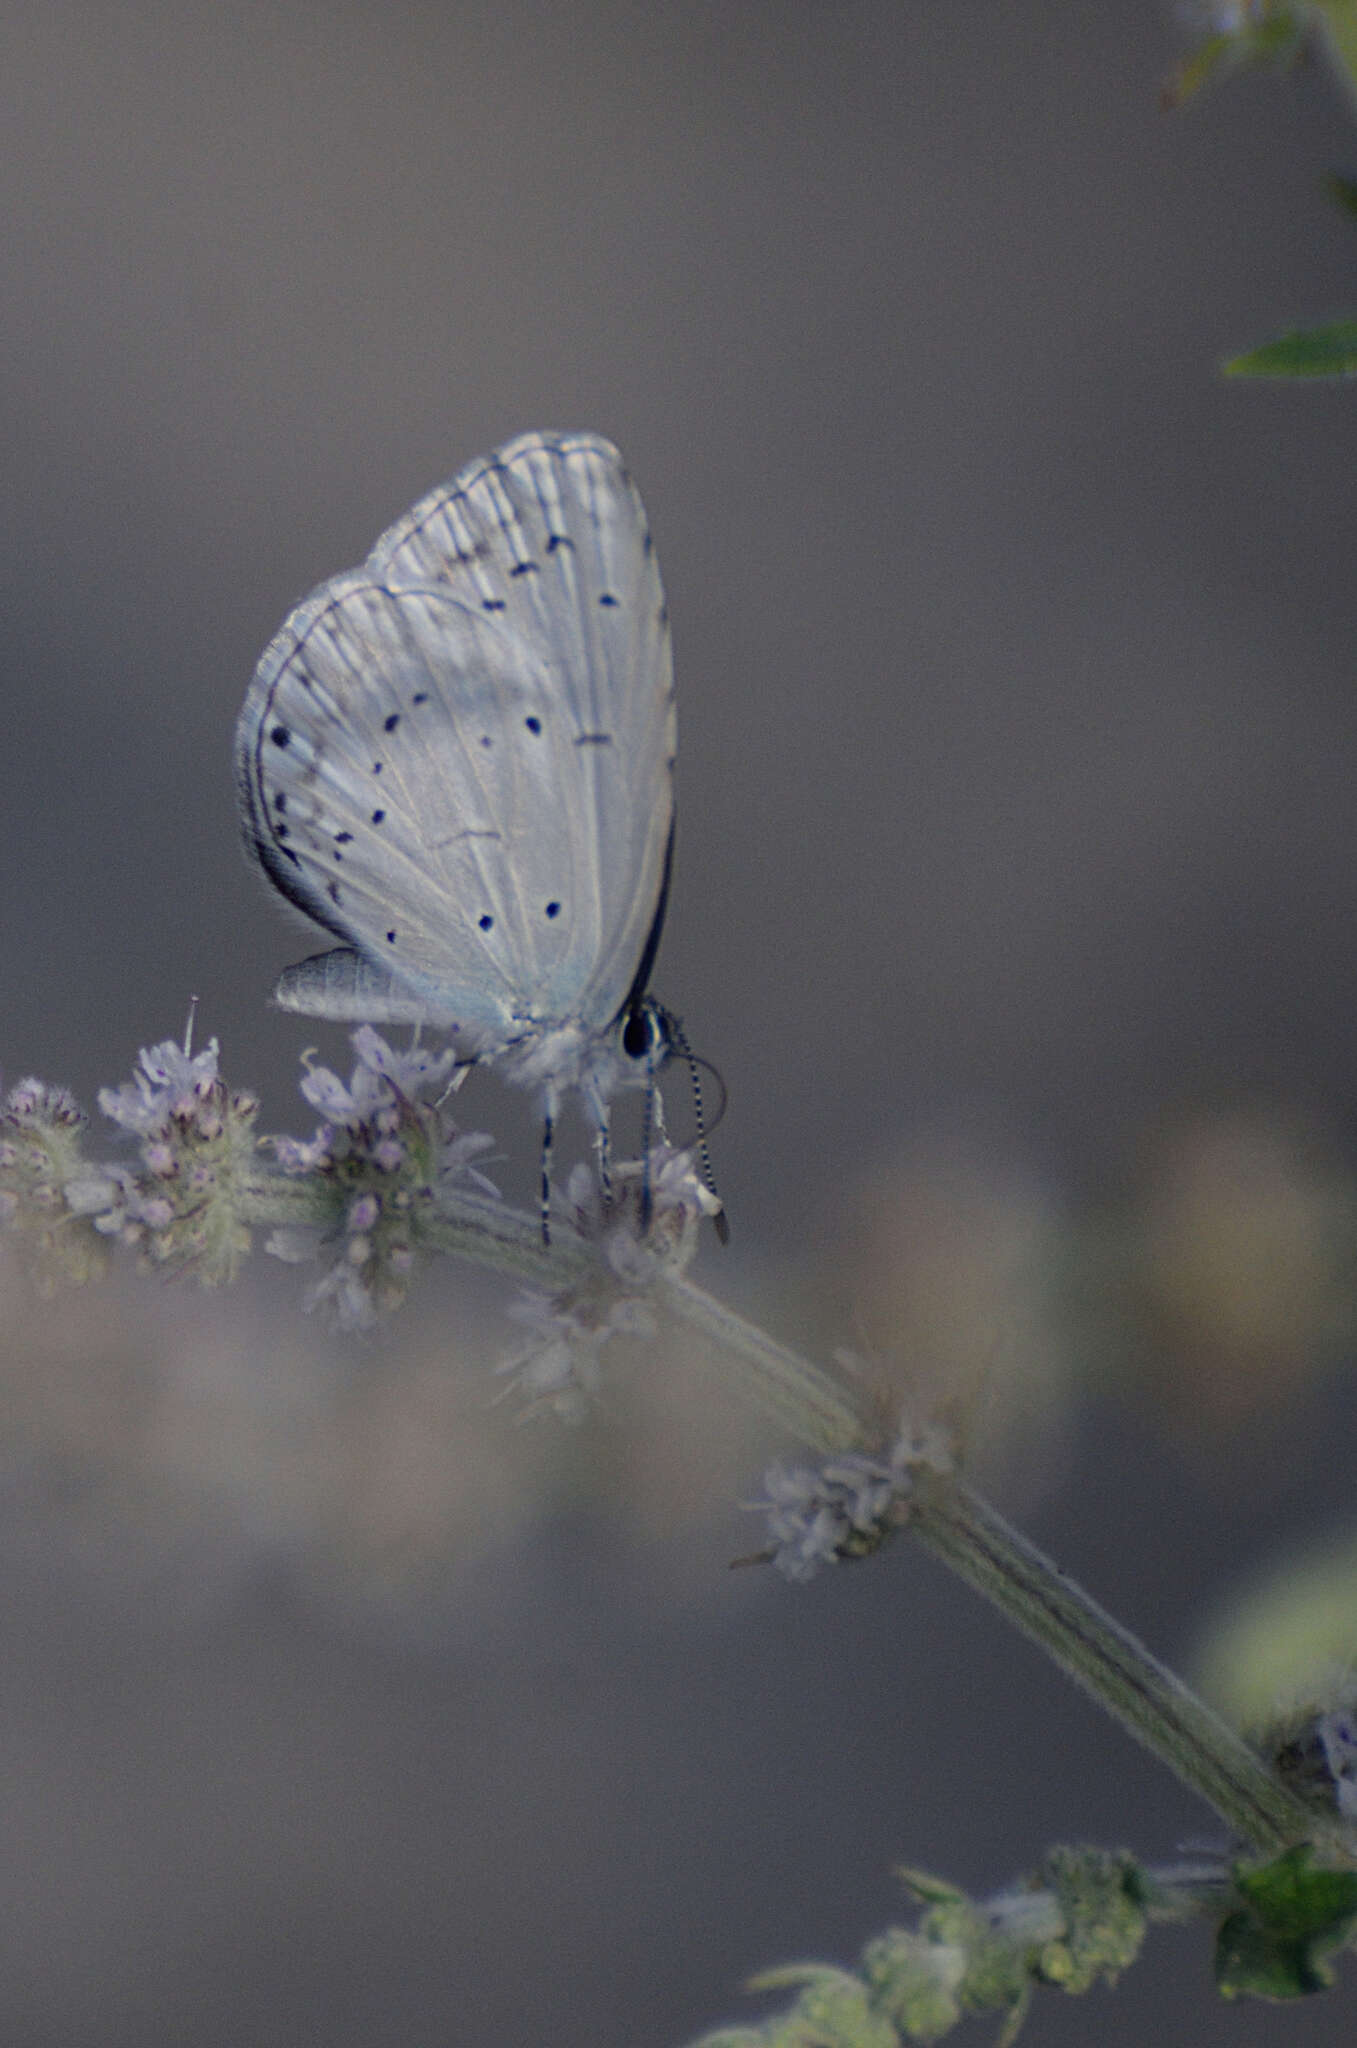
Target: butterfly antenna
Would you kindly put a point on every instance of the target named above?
(188, 1028)
(695, 1066)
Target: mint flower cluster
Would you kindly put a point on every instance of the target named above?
(386, 1179)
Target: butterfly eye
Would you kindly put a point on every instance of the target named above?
(644, 1033)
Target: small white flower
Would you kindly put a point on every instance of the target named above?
(559, 1377)
(294, 1244)
(184, 1210)
(348, 1103)
(458, 1154)
(414, 1073)
(33, 1102)
(90, 1196)
(171, 1083)
(379, 1160)
(651, 1223)
(382, 1079)
(563, 1371)
(847, 1506)
(129, 1212)
(342, 1292)
(302, 1155)
(647, 1231)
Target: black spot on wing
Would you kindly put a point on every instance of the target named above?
(280, 736)
(390, 724)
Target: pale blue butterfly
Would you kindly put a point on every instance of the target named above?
(459, 759)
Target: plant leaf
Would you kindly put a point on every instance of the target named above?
(1295, 1913)
(1309, 352)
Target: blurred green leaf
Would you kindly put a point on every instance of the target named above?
(1270, 33)
(1187, 79)
(1343, 191)
(1295, 1914)
(1310, 352)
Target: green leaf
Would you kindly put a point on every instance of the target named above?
(1274, 34)
(1295, 1914)
(930, 1890)
(1197, 70)
(1310, 352)
(1342, 190)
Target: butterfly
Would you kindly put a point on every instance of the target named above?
(459, 760)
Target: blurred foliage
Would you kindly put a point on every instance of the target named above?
(1295, 1914)
(1285, 1636)
(1239, 33)
(1076, 1922)
(1310, 352)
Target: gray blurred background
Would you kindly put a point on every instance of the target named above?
(1015, 902)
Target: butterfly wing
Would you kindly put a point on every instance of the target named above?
(459, 758)
(550, 536)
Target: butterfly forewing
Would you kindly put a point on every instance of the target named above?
(459, 758)
(550, 536)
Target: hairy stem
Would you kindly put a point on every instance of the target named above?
(1113, 1665)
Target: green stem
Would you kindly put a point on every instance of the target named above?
(1109, 1662)
(477, 1228)
(1093, 1649)
(1106, 1659)
(815, 1408)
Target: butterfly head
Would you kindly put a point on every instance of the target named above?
(647, 1037)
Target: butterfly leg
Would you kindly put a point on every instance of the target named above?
(548, 1140)
(603, 1154)
(648, 1122)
